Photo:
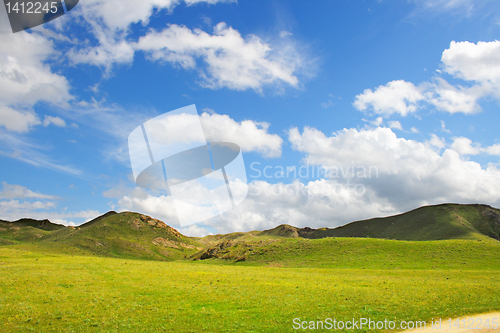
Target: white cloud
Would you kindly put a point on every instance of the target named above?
(11, 191)
(232, 61)
(443, 127)
(14, 210)
(473, 62)
(399, 97)
(453, 99)
(314, 204)
(194, 230)
(395, 125)
(54, 120)
(17, 121)
(159, 206)
(118, 15)
(249, 135)
(493, 150)
(18, 202)
(463, 146)
(437, 142)
(478, 64)
(371, 172)
(25, 205)
(110, 23)
(410, 173)
(25, 80)
(445, 4)
(222, 59)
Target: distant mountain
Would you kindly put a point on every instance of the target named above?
(39, 224)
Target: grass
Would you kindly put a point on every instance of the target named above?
(370, 253)
(130, 273)
(61, 293)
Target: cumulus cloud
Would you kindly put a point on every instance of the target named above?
(463, 146)
(314, 204)
(110, 22)
(493, 150)
(17, 120)
(410, 173)
(25, 80)
(223, 58)
(365, 173)
(159, 206)
(473, 62)
(453, 99)
(477, 64)
(231, 60)
(399, 97)
(249, 135)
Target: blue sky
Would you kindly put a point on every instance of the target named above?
(410, 89)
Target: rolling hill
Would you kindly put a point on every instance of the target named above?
(125, 235)
(438, 222)
(428, 223)
(134, 235)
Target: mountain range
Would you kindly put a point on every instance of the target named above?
(138, 236)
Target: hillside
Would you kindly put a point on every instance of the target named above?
(133, 235)
(446, 221)
(439, 222)
(126, 235)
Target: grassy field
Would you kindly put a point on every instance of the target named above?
(306, 279)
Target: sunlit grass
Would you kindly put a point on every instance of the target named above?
(61, 293)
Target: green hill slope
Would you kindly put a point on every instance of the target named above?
(133, 235)
(125, 235)
(446, 221)
(287, 243)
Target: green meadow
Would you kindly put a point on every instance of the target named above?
(129, 272)
(309, 279)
